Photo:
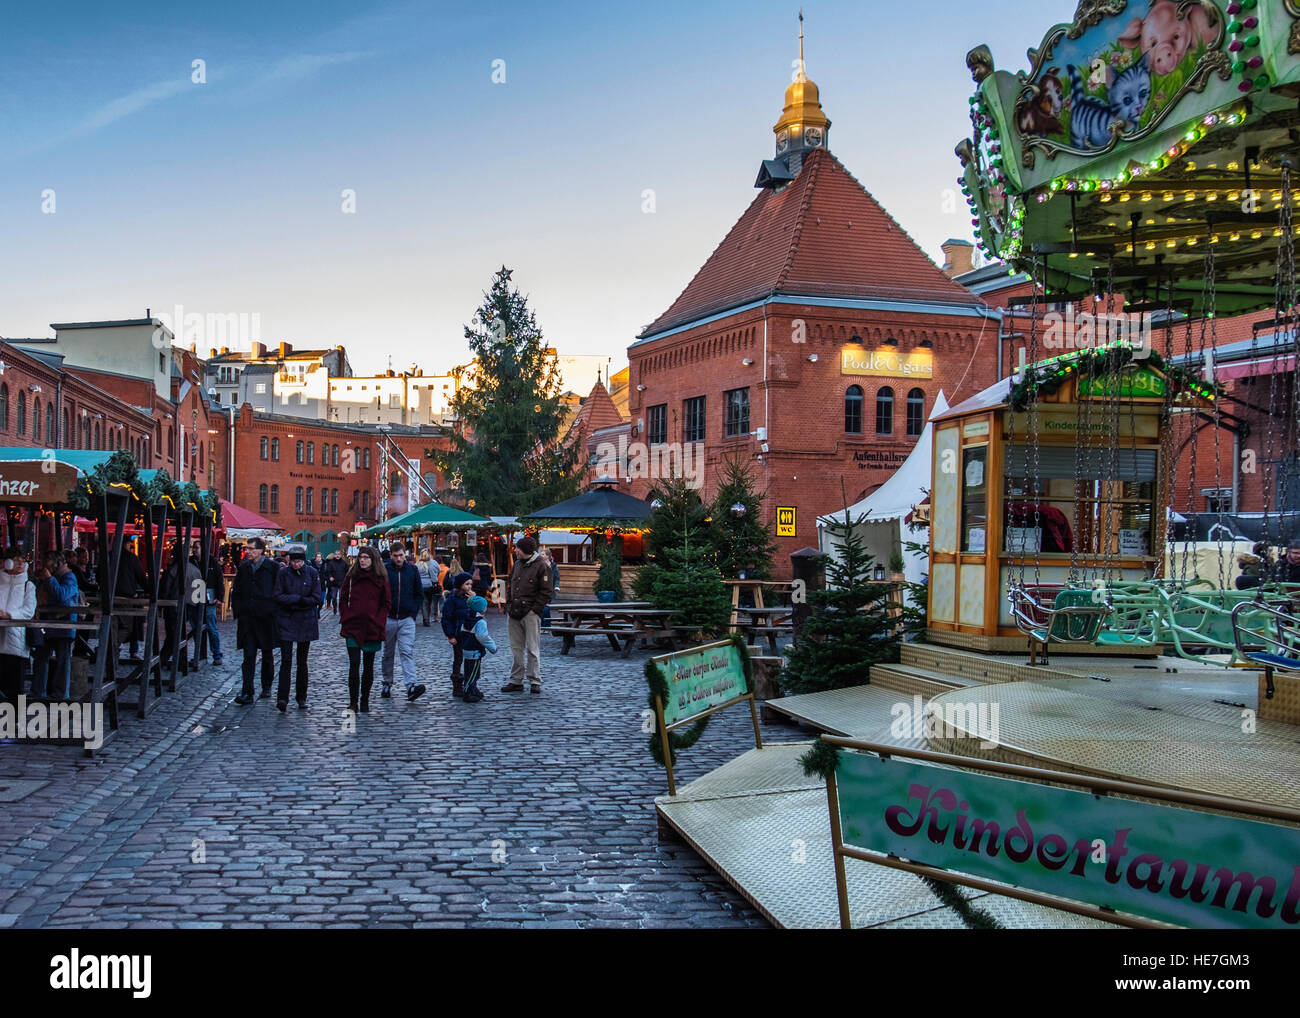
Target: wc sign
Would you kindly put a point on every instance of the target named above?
(785, 521)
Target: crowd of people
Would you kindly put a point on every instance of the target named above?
(378, 598)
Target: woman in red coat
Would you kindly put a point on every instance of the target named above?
(364, 598)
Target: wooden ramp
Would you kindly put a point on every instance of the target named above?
(763, 824)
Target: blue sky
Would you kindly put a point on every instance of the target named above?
(225, 197)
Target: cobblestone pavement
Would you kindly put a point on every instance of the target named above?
(532, 811)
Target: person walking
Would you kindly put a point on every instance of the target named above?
(428, 571)
(214, 593)
(298, 595)
(399, 635)
(17, 601)
(336, 568)
(254, 606)
(455, 612)
(64, 593)
(528, 590)
(363, 602)
(473, 638)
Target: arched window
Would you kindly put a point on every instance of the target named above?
(309, 501)
(365, 459)
(297, 500)
(311, 452)
(298, 450)
(885, 411)
(262, 493)
(365, 503)
(68, 434)
(275, 498)
(99, 436)
(853, 410)
(264, 447)
(4, 406)
(334, 495)
(915, 412)
(36, 418)
(171, 441)
(336, 455)
(51, 436)
(275, 449)
(22, 413)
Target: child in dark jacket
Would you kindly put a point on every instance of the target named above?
(473, 639)
(455, 612)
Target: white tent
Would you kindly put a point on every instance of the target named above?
(883, 531)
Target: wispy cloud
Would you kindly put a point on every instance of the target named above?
(133, 102)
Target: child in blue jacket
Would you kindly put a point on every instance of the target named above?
(455, 612)
(474, 639)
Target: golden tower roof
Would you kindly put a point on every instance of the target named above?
(803, 106)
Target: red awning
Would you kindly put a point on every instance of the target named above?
(235, 517)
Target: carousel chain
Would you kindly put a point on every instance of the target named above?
(1035, 426)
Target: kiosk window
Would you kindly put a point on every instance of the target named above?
(974, 499)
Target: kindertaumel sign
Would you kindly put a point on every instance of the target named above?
(1173, 865)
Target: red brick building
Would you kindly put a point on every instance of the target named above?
(317, 479)
(811, 344)
(45, 405)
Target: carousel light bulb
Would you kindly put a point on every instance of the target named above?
(1255, 235)
(1151, 245)
(1168, 196)
(1125, 197)
(1234, 235)
(1105, 197)
(1146, 195)
(1191, 241)
(1212, 196)
(1171, 243)
(1190, 196)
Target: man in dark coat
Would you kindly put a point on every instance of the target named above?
(336, 567)
(253, 602)
(298, 595)
(1288, 566)
(527, 591)
(408, 599)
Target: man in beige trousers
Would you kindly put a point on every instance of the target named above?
(528, 591)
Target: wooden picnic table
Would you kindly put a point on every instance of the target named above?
(615, 624)
(769, 623)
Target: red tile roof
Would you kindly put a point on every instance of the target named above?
(823, 235)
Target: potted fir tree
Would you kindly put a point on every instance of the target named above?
(609, 580)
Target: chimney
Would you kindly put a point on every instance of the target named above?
(259, 350)
(212, 352)
(958, 257)
(225, 350)
(285, 349)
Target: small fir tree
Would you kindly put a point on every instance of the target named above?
(692, 588)
(741, 541)
(678, 523)
(610, 576)
(850, 627)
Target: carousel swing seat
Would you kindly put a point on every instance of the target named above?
(1272, 639)
(1072, 616)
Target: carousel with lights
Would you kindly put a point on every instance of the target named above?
(1140, 173)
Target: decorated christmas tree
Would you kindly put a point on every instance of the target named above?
(741, 541)
(507, 454)
(850, 627)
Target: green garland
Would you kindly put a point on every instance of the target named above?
(119, 469)
(563, 523)
(820, 761)
(688, 738)
(1046, 377)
